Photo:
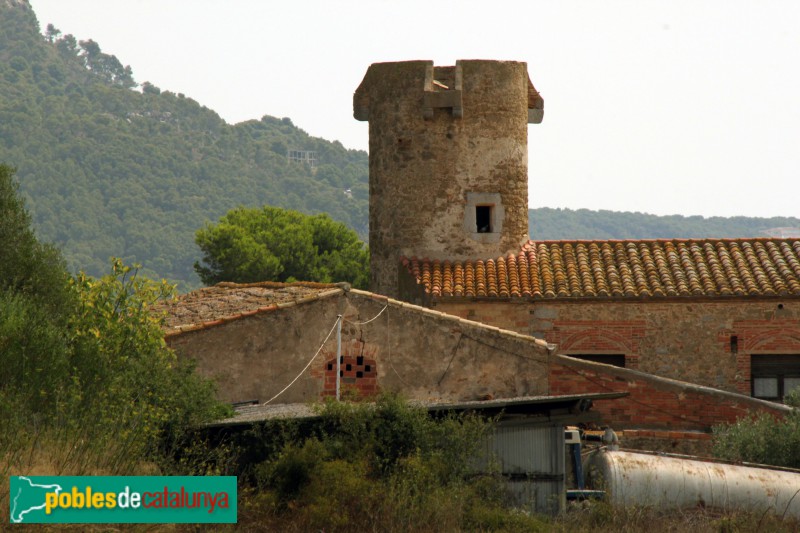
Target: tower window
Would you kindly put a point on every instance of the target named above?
(483, 218)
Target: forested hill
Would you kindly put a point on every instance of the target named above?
(109, 169)
(546, 224)
(112, 168)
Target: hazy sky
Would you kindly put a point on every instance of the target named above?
(664, 107)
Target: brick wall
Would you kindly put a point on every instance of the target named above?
(688, 340)
(682, 442)
(653, 402)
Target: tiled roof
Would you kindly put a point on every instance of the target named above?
(224, 302)
(621, 269)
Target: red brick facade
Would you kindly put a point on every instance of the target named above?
(704, 341)
(653, 402)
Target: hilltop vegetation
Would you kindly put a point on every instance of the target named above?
(110, 171)
(111, 167)
(548, 224)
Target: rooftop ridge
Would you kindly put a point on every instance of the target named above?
(463, 321)
(670, 239)
(274, 285)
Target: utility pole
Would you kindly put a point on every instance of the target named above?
(338, 354)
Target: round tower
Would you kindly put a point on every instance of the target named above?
(448, 160)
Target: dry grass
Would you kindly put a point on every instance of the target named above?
(602, 517)
(48, 453)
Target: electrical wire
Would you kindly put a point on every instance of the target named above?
(309, 363)
(452, 356)
(370, 320)
(509, 352)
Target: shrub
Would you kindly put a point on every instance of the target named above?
(386, 465)
(87, 384)
(762, 438)
(291, 472)
(122, 368)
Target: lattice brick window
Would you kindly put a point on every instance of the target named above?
(356, 373)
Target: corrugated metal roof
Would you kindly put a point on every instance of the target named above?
(532, 405)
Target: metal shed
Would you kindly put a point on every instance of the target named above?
(528, 444)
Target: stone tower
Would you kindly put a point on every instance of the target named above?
(448, 168)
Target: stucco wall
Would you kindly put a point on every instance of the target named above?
(685, 340)
(419, 352)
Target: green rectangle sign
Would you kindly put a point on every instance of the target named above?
(122, 499)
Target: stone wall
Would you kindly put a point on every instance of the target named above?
(699, 341)
(416, 351)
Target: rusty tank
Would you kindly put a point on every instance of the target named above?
(673, 482)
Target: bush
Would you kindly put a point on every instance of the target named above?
(87, 384)
(292, 471)
(762, 438)
(34, 360)
(122, 366)
(386, 465)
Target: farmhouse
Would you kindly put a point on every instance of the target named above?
(465, 305)
(448, 230)
(255, 339)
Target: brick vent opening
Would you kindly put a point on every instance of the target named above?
(356, 372)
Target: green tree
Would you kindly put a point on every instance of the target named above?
(149, 88)
(274, 244)
(83, 358)
(91, 52)
(28, 267)
(52, 33)
(125, 372)
(68, 45)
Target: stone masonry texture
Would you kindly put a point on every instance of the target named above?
(417, 352)
(422, 166)
(690, 340)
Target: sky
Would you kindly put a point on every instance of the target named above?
(678, 107)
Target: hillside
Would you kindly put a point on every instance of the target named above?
(110, 170)
(546, 224)
(109, 167)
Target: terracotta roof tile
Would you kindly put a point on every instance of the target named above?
(621, 269)
(212, 306)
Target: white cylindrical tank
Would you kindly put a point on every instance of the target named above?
(654, 480)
